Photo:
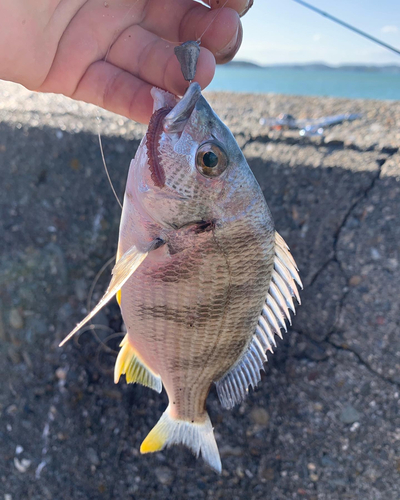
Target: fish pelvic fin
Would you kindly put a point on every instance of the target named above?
(136, 371)
(197, 436)
(122, 271)
(118, 295)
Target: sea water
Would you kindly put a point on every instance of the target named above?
(338, 83)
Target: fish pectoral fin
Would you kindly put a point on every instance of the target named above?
(198, 436)
(122, 271)
(135, 370)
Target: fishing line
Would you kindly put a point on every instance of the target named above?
(104, 160)
(91, 326)
(104, 267)
(106, 169)
(348, 26)
(103, 348)
(94, 283)
(116, 35)
(212, 21)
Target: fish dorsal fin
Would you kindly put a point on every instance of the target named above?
(135, 370)
(232, 388)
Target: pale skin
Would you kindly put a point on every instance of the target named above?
(111, 52)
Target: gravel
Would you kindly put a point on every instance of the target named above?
(324, 423)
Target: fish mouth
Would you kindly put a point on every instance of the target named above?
(177, 118)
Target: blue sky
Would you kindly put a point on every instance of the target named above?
(281, 31)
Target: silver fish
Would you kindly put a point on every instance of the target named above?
(203, 280)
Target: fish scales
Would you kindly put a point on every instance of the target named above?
(202, 278)
(193, 333)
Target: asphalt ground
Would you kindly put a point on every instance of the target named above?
(324, 422)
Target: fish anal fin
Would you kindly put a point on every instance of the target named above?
(197, 436)
(232, 388)
(128, 363)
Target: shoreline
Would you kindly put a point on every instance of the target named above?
(315, 82)
(379, 125)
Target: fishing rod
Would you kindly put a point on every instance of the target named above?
(349, 26)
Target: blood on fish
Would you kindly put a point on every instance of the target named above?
(153, 137)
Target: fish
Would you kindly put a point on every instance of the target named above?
(203, 280)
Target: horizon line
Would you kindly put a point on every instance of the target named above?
(304, 63)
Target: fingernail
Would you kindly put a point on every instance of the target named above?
(229, 51)
(248, 6)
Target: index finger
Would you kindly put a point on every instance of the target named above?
(241, 6)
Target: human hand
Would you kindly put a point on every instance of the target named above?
(110, 53)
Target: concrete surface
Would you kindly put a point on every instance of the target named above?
(325, 421)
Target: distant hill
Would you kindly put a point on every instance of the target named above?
(361, 68)
(244, 64)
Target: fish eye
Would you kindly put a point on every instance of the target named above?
(211, 159)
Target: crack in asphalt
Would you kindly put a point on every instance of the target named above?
(343, 223)
(337, 233)
(327, 339)
(336, 237)
(362, 361)
(341, 347)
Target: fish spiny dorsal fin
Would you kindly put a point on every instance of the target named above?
(283, 287)
(232, 388)
(135, 370)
